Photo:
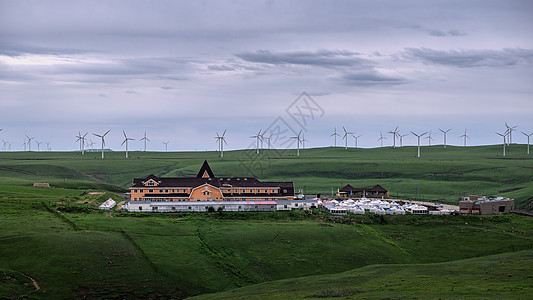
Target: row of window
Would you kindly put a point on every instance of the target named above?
(227, 191)
(206, 208)
(199, 199)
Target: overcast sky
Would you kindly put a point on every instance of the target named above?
(184, 70)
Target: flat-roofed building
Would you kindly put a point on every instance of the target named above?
(482, 205)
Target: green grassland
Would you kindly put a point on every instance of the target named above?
(441, 174)
(503, 276)
(56, 237)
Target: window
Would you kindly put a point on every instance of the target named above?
(284, 190)
(150, 191)
(284, 206)
(173, 208)
(140, 208)
(154, 208)
(190, 207)
(166, 191)
(501, 209)
(150, 183)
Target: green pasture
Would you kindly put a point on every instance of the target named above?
(58, 238)
(441, 174)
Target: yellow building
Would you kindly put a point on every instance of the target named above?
(206, 187)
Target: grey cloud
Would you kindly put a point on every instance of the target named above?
(371, 78)
(322, 58)
(220, 68)
(471, 58)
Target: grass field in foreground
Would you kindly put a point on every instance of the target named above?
(441, 174)
(502, 276)
(73, 250)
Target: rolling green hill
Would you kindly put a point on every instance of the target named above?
(56, 237)
(441, 174)
(502, 276)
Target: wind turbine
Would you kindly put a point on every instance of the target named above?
(335, 135)
(394, 133)
(269, 138)
(262, 138)
(381, 138)
(429, 138)
(145, 139)
(126, 139)
(465, 136)
(303, 141)
(5, 145)
(166, 145)
(401, 138)
(503, 135)
(103, 141)
(444, 132)
(418, 136)
(221, 141)
(81, 138)
(38, 146)
(528, 135)
(298, 141)
(29, 142)
(48, 146)
(355, 139)
(258, 137)
(510, 129)
(345, 137)
(24, 144)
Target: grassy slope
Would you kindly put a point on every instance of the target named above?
(86, 253)
(502, 276)
(440, 174)
(196, 254)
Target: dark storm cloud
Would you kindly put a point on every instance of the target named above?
(471, 58)
(321, 58)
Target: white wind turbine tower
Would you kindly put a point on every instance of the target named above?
(24, 145)
(81, 138)
(465, 136)
(345, 137)
(269, 138)
(429, 138)
(401, 138)
(303, 141)
(29, 142)
(510, 129)
(394, 133)
(166, 145)
(444, 132)
(126, 139)
(356, 138)
(418, 137)
(381, 138)
(145, 139)
(221, 141)
(91, 144)
(262, 138)
(503, 135)
(258, 137)
(48, 146)
(38, 146)
(103, 141)
(528, 135)
(5, 145)
(298, 141)
(335, 135)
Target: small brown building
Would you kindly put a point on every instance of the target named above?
(376, 191)
(481, 205)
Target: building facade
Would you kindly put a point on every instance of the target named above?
(376, 191)
(206, 187)
(482, 205)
